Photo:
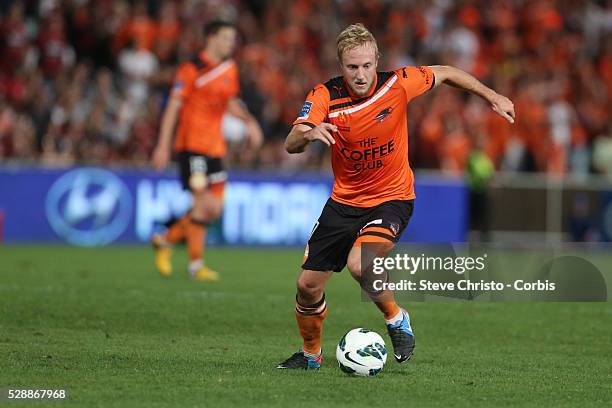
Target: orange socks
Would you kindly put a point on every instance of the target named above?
(177, 231)
(195, 231)
(191, 230)
(389, 308)
(310, 322)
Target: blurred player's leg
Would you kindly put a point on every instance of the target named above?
(177, 230)
(163, 254)
(207, 208)
(162, 243)
(196, 234)
(310, 311)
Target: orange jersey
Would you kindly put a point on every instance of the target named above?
(205, 90)
(370, 157)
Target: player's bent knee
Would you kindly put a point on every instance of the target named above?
(198, 191)
(354, 267)
(198, 209)
(198, 212)
(215, 210)
(309, 290)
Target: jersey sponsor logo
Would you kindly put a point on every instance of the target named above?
(370, 155)
(305, 112)
(383, 114)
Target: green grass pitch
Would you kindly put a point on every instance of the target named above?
(103, 325)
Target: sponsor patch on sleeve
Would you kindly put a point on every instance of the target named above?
(305, 110)
(178, 85)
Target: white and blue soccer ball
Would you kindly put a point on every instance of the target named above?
(361, 352)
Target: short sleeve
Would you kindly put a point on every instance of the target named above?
(316, 107)
(415, 80)
(183, 80)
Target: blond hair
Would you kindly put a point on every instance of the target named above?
(354, 36)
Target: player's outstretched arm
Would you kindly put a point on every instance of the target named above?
(461, 79)
(161, 154)
(301, 135)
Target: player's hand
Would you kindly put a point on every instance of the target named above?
(160, 158)
(503, 107)
(323, 132)
(254, 134)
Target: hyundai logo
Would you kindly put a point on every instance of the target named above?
(88, 207)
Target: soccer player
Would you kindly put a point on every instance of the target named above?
(204, 89)
(361, 116)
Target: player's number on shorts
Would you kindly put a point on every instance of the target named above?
(197, 164)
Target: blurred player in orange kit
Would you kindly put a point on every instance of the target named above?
(362, 117)
(204, 89)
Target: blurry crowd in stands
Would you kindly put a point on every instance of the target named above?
(87, 80)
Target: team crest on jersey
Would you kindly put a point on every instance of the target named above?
(383, 114)
(305, 110)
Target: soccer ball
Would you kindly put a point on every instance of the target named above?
(361, 352)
